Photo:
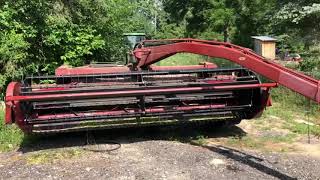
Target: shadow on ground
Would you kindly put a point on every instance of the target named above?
(130, 135)
(249, 160)
(183, 133)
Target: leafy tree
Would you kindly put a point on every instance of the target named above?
(13, 49)
(301, 18)
(252, 18)
(203, 17)
(38, 36)
(223, 19)
(299, 22)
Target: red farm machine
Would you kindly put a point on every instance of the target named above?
(141, 93)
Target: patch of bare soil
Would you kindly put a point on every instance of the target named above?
(307, 146)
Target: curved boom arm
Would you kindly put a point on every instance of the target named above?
(158, 50)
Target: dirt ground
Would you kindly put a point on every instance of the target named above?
(156, 153)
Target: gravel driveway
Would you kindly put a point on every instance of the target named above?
(146, 158)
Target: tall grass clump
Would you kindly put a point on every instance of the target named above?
(10, 136)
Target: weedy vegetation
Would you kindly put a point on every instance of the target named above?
(51, 156)
(10, 136)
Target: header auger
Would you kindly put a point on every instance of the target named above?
(100, 96)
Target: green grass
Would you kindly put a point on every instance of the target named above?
(51, 156)
(10, 136)
(182, 59)
(246, 141)
(288, 118)
(290, 106)
(199, 140)
(303, 129)
(294, 101)
(268, 143)
(288, 138)
(193, 59)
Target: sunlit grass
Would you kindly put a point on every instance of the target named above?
(290, 107)
(182, 59)
(53, 155)
(10, 136)
(193, 59)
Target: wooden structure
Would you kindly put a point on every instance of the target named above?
(265, 46)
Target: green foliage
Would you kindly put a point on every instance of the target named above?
(199, 140)
(293, 101)
(10, 136)
(75, 43)
(222, 19)
(290, 42)
(298, 19)
(311, 66)
(38, 36)
(203, 18)
(241, 19)
(13, 46)
(253, 18)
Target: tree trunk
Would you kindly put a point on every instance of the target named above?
(226, 34)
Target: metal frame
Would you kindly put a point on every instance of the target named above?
(150, 52)
(33, 107)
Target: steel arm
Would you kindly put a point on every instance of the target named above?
(150, 52)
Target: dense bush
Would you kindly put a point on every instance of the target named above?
(38, 36)
(311, 66)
